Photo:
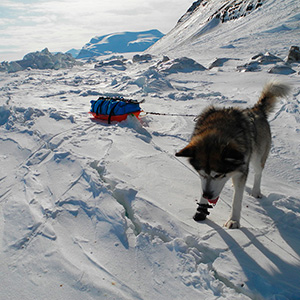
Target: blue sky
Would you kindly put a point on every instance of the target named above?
(31, 25)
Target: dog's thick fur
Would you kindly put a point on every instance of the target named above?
(224, 142)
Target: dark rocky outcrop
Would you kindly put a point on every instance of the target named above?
(294, 55)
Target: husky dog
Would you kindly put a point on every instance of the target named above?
(222, 145)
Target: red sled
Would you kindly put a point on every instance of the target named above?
(118, 118)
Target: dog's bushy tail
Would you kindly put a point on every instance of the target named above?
(269, 95)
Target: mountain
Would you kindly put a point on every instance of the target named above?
(214, 28)
(73, 52)
(120, 42)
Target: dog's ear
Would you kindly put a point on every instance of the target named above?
(188, 151)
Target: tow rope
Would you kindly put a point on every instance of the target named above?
(169, 114)
(117, 108)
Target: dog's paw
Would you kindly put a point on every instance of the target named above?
(199, 216)
(231, 224)
(256, 194)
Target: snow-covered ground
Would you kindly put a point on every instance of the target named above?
(97, 211)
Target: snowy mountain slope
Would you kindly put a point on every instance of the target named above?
(120, 42)
(96, 211)
(229, 10)
(202, 33)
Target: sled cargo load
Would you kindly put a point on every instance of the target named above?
(114, 108)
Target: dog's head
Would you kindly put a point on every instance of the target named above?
(215, 161)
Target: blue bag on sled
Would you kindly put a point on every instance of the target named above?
(114, 108)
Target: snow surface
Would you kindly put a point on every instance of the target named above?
(97, 211)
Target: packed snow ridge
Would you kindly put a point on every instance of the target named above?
(40, 60)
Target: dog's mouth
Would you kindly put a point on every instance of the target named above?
(213, 201)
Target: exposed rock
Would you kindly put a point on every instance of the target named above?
(258, 60)
(183, 65)
(294, 55)
(189, 12)
(219, 62)
(165, 58)
(282, 69)
(142, 58)
(113, 62)
(267, 58)
(249, 67)
(118, 64)
(232, 10)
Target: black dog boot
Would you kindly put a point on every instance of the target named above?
(202, 212)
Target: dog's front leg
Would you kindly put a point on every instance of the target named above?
(256, 186)
(202, 210)
(239, 182)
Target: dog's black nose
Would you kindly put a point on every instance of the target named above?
(207, 195)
